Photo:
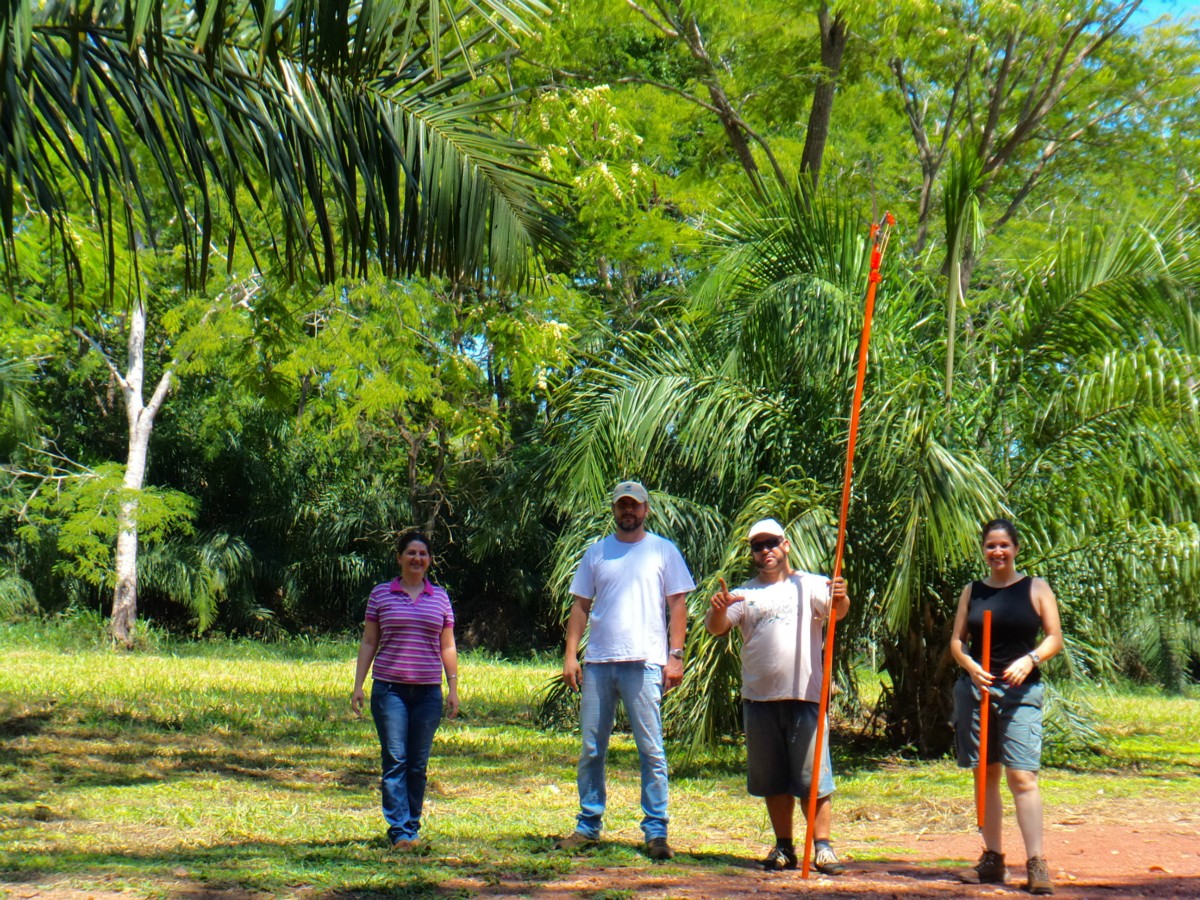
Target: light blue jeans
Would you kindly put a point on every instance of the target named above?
(639, 687)
(406, 717)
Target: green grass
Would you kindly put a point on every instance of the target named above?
(236, 764)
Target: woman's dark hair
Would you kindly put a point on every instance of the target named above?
(1001, 525)
(408, 537)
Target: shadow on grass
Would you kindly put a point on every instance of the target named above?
(65, 748)
(457, 867)
(16, 723)
(49, 751)
(320, 868)
(261, 714)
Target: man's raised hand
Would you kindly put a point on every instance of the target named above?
(722, 600)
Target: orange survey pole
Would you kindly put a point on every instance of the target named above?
(984, 706)
(879, 240)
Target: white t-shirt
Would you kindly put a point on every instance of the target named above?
(628, 585)
(781, 636)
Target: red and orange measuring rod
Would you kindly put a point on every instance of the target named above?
(984, 707)
(880, 233)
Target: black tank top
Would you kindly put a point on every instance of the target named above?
(1015, 624)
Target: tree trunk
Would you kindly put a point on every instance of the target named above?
(954, 296)
(834, 34)
(124, 609)
(140, 417)
(920, 705)
(728, 116)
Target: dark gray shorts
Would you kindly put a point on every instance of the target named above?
(1014, 724)
(779, 748)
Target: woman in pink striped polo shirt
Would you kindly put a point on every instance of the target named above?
(408, 641)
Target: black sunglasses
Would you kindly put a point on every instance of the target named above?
(765, 544)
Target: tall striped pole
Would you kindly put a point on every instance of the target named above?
(984, 707)
(880, 232)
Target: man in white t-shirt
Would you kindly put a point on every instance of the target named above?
(627, 583)
(780, 613)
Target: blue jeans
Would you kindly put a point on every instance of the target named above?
(406, 717)
(639, 687)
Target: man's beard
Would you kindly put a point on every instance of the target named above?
(637, 523)
(767, 564)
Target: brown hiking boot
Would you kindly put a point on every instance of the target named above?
(989, 870)
(1038, 876)
(658, 848)
(576, 840)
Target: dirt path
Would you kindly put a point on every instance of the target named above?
(1144, 857)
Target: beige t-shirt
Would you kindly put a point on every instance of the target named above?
(782, 630)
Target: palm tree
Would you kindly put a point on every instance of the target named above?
(1074, 380)
(329, 136)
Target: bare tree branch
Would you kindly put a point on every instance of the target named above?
(104, 356)
(649, 17)
(627, 79)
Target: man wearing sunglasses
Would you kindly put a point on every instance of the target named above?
(780, 613)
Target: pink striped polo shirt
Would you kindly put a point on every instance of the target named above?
(410, 632)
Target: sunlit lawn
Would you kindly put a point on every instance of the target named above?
(240, 765)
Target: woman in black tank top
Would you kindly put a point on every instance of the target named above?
(1022, 607)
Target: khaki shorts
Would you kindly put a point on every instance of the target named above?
(1014, 724)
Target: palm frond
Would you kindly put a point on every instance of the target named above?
(1103, 289)
(657, 396)
(333, 106)
(1071, 726)
(18, 600)
(198, 574)
(16, 413)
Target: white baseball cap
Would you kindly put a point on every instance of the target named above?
(765, 527)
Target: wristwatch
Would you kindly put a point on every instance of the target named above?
(677, 653)
(1037, 660)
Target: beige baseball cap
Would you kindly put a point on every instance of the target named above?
(630, 489)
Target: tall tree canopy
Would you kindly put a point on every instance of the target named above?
(712, 166)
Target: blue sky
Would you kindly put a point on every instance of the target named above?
(1152, 9)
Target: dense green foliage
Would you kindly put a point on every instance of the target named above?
(462, 266)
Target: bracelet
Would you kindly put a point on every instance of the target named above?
(452, 678)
